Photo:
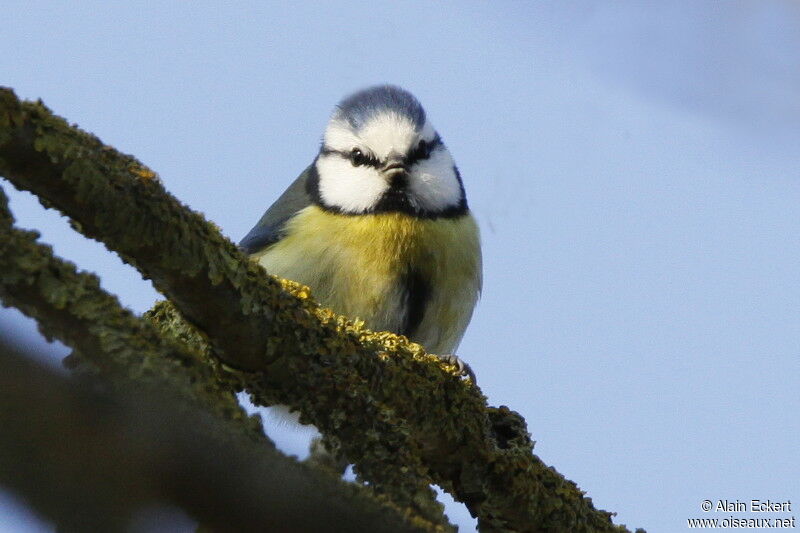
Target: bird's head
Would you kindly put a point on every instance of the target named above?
(380, 154)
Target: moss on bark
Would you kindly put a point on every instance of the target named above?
(402, 416)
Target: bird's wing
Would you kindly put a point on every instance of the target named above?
(270, 229)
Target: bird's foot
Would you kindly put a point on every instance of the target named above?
(462, 367)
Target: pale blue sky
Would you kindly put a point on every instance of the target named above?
(634, 166)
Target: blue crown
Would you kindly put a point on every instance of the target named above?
(358, 108)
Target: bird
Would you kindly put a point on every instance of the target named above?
(378, 225)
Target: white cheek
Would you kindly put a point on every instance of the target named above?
(434, 183)
(351, 189)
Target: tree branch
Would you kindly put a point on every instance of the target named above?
(143, 440)
(70, 306)
(89, 460)
(397, 415)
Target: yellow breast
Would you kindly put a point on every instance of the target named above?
(355, 265)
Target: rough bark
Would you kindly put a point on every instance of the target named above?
(89, 458)
(168, 418)
(403, 417)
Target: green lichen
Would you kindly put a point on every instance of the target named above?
(111, 342)
(403, 417)
(71, 306)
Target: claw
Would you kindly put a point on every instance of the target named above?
(463, 368)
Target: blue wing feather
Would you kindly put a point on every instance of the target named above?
(270, 229)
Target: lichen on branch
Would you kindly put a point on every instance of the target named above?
(132, 445)
(404, 418)
(131, 356)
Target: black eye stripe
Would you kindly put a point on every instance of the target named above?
(422, 151)
(362, 159)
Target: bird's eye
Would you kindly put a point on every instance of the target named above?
(423, 147)
(357, 157)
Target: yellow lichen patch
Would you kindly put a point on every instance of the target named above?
(292, 287)
(142, 172)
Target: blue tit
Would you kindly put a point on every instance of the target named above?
(378, 225)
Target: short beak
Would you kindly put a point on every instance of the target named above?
(396, 170)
